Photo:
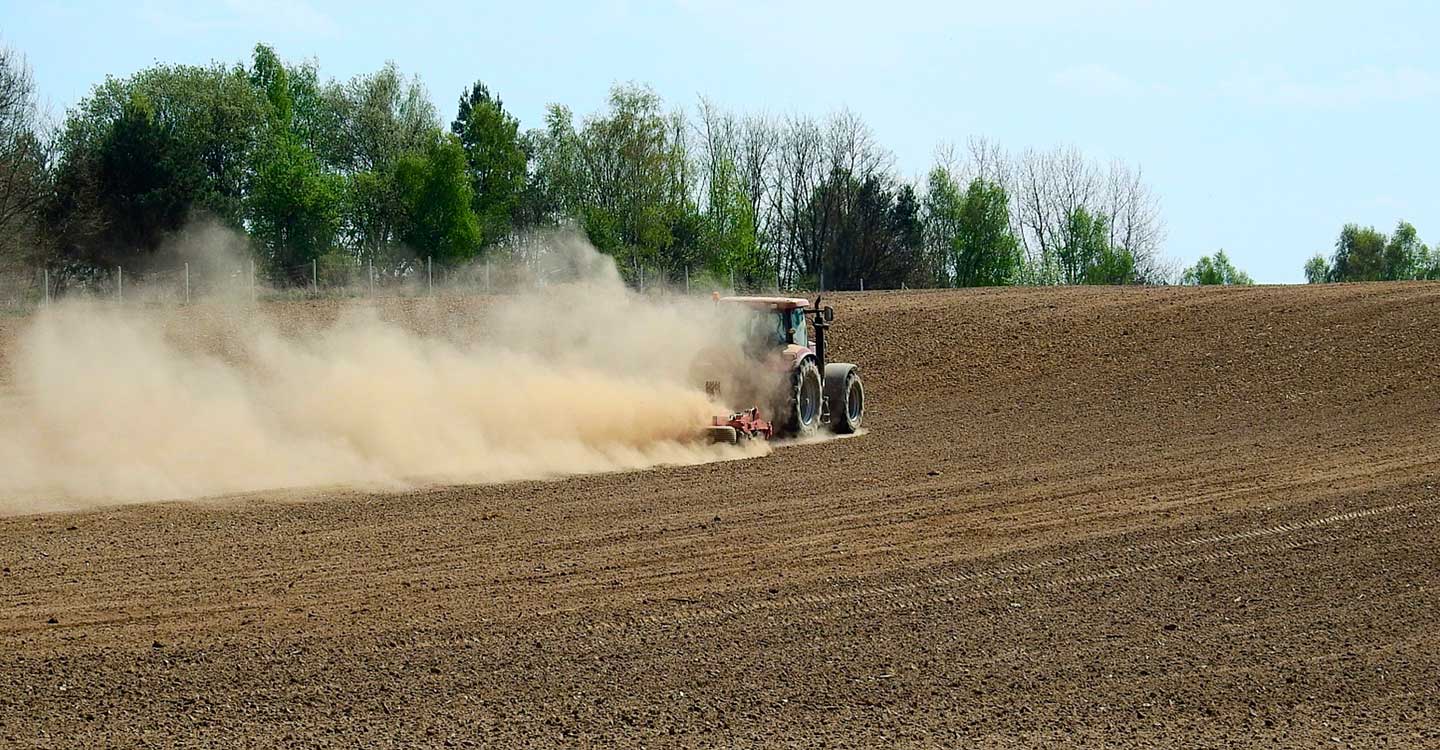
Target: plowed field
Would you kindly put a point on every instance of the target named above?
(1079, 518)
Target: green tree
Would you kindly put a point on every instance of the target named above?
(297, 98)
(365, 128)
(1401, 252)
(372, 215)
(869, 231)
(1215, 270)
(1113, 265)
(293, 205)
(556, 190)
(728, 241)
(688, 232)
(1086, 255)
(626, 175)
(1359, 254)
(941, 212)
(147, 193)
(141, 155)
(383, 116)
(904, 256)
(1427, 263)
(1365, 254)
(985, 251)
(495, 158)
(435, 196)
(1084, 240)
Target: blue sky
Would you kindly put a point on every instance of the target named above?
(1262, 126)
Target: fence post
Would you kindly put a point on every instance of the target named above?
(120, 285)
(642, 279)
(732, 281)
(315, 275)
(187, 283)
(862, 284)
(430, 273)
(687, 279)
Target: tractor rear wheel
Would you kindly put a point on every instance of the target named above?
(805, 399)
(846, 395)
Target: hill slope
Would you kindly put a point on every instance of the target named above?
(1095, 517)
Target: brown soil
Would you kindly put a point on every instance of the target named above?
(1079, 518)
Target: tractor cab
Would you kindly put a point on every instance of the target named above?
(777, 322)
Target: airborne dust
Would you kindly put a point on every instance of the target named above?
(108, 404)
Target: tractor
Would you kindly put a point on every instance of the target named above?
(806, 392)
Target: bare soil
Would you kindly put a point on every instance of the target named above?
(1079, 518)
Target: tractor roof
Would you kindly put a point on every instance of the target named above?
(776, 303)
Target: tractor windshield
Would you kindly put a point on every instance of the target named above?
(768, 328)
(766, 331)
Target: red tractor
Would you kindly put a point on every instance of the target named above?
(806, 392)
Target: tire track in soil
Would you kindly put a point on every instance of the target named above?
(901, 595)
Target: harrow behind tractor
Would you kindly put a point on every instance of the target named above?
(812, 393)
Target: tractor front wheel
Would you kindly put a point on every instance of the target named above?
(805, 404)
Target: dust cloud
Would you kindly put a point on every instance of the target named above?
(112, 404)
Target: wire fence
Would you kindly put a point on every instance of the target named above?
(24, 290)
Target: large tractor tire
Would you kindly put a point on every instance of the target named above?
(806, 391)
(846, 395)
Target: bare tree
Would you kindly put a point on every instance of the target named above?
(759, 144)
(718, 133)
(1134, 220)
(799, 167)
(1034, 207)
(851, 145)
(1049, 188)
(1076, 187)
(988, 161)
(852, 155)
(25, 151)
(947, 157)
(681, 168)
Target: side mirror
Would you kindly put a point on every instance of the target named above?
(829, 313)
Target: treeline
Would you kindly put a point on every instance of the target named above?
(365, 174)
(1366, 254)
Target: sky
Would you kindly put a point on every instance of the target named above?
(1261, 126)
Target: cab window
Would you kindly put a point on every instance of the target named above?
(797, 321)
